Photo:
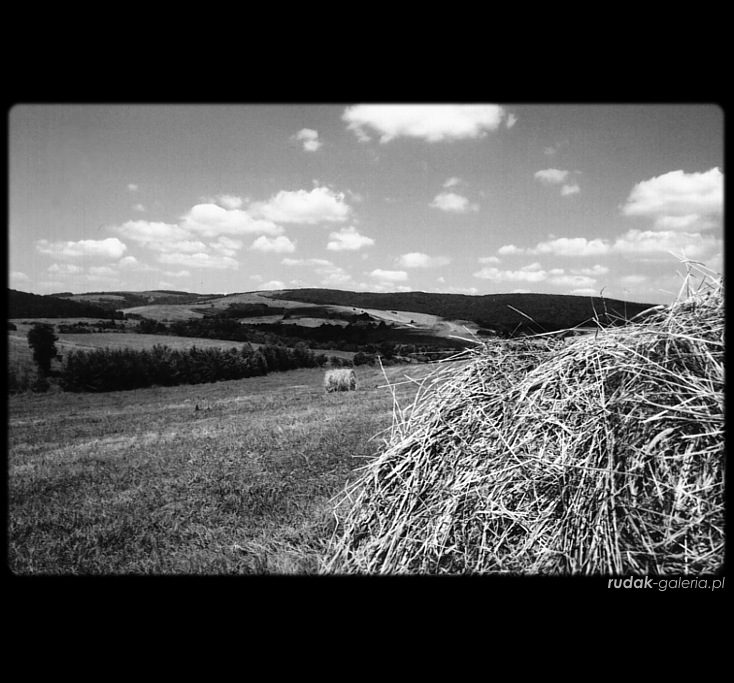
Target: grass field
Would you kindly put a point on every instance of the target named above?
(141, 482)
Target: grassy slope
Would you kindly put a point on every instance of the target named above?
(141, 482)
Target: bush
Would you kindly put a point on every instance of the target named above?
(42, 340)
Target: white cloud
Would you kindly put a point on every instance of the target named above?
(315, 206)
(146, 233)
(226, 246)
(229, 201)
(659, 244)
(348, 239)
(18, 276)
(511, 121)
(556, 176)
(534, 272)
(508, 249)
(389, 275)
(418, 260)
(310, 139)
(594, 270)
(551, 176)
(102, 272)
(210, 220)
(199, 260)
(489, 259)
(572, 246)
(272, 284)
(180, 273)
(139, 207)
(530, 273)
(277, 245)
(431, 122)
(452, 202)
(111, 248)
(287, 261)
(132, 187)
(679, 200)
(64, 269)
(451, 182)
(633, 280)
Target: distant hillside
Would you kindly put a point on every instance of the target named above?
(492, 311)
(118, 300)
(25, 305)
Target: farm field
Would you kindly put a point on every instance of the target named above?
(143, 482)
(20, 353)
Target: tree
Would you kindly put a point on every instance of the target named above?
(42, 340)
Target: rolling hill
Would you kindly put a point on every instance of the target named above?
(415, 314)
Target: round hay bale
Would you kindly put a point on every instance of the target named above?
(340, 379)
(601, 456)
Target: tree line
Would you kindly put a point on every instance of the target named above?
(124, 369)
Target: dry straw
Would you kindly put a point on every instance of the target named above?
(604, 455)
(343, 379)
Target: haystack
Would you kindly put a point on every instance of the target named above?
(342, 379)
(603, 455)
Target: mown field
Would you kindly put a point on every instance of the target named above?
(143, 482)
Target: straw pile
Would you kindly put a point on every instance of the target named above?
(604, 455)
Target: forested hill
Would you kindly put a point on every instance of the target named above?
(550, 311)
(25, 305)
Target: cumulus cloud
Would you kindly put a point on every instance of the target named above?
(572, 246)
(310, 139)
(229, 201)
(510, 122)
(102, 272)
(287, 261)
(658, 244)
(132, 187)
(534, 273)
(277, 245)
(529, 273)
(451, 182)
(551, 176)
(199, 260)
(18, 276)
(147, 232)
(319, 205)
(556, 176)
(419, 260)
(139, 207)
(489, 259)
(389, 275)
(431, 122)
(679, 200)
(348, 239)
(508, 249)
(272, 284)
(210, 220)
(110, 248)
(453, 203)
(64, 269)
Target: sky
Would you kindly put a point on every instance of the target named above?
(480, 198)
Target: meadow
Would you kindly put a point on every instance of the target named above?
(238, 477)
